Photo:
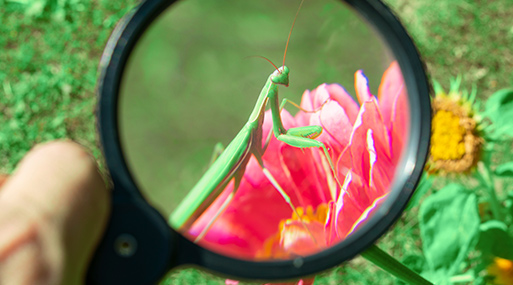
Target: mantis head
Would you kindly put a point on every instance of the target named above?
(281, 76)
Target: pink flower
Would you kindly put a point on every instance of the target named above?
(365, 140)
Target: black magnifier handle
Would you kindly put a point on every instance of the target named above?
(136, 247)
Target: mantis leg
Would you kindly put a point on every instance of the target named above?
(221, 209)
(282, 105)
(285, 101)
(218, 149)
(286, 197)
(237, 181)
(302, 137)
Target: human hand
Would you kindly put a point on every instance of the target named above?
(53, 210)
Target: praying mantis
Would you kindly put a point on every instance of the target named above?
(231, 163)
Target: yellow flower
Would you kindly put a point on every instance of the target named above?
(502, 271)
(455, 136)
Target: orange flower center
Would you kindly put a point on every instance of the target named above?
(297, 235)
(502, 270)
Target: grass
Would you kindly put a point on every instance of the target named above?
(48, 69)
(51, 50)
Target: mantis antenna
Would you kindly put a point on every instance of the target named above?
(290, 32)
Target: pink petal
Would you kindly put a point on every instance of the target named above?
(368, 118)
(334, 134)
(362, 87)
(339, 94)
(301, 242)
(392, 84)
(320, 96)
(308, 182)
(302, 118)
(348, 215)
(367, 213)
(330, 225)
(400, 125)
(336, 125)
(243, 226)
(393, 103)
(306, 281)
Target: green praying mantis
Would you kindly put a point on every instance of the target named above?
(231, 163)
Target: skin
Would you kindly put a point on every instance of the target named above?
(53, 211)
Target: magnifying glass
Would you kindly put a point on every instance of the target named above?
(212, 168)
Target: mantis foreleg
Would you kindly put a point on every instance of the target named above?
(298, 137)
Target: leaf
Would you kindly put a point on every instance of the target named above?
(439, 277)
(415, 262)
(437, 87)
(35, 8)
(505, 169)
(449, 226)
(494, 240)
(499, 109)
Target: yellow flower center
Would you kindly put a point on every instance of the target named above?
(318, 215)
(455, 141)
(447, 136)
(273, 248)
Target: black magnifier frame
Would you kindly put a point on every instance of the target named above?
(139, 246)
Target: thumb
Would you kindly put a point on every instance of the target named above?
(53, 211)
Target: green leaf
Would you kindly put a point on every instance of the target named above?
(505, 169)
(499, 109)
(449, 226)
(437, 87)
(415, 262)
(494, 240)
(439, 277)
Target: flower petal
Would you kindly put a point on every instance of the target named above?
(362, 87)
(368, 118)
(394, 106)
(299, 241)
(302, 118)
(339, 94)
(336, 126)
(308, 182)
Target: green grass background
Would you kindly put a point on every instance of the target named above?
(50, 52)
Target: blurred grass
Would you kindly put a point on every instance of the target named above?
(48, 70)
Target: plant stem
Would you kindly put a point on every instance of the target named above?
(391, 265)
(466, 278)
(486, 177)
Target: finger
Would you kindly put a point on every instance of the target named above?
(3, 178)
(56, 204)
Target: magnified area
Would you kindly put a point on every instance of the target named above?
(236, 168)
